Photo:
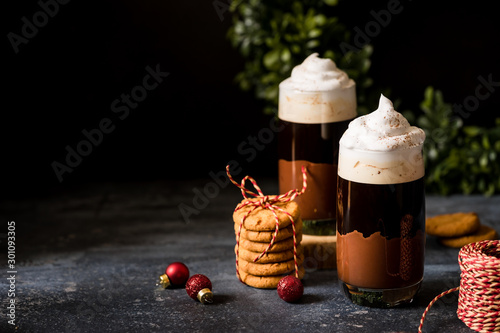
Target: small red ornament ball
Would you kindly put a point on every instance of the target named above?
(290, 288)
(178, 273)
(196, 283)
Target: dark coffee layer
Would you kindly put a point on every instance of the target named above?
(317, 147)
(369, 208)
(316, 143)
(380, 234)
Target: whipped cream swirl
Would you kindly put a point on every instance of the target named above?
(317, 92)
(384, 129)
(317, 74)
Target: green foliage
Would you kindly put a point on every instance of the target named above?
(458, 158)
(275, 36)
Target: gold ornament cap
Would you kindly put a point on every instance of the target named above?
(205, 296)
(164, 281)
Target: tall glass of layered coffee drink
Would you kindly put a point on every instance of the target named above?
(381, 209)
(315, 105)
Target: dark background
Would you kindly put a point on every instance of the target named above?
(66, 77)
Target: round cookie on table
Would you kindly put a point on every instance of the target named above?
(458, 229)
(452, 225)
(266, 282)
(483, 233)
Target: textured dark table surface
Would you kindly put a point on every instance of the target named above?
(87, 260)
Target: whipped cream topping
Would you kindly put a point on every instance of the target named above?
(317, 92)
(381, 148)
(384, 129)
(317, 74)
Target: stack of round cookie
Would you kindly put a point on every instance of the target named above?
(256, 234)
(458, 229)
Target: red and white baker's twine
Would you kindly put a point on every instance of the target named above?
(267, 202)
(479, 291)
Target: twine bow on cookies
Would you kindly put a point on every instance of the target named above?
(266, 202)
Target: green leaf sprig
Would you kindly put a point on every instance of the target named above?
(458, 158)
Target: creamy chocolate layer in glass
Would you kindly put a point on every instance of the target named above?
(316, 105)
(381, 209)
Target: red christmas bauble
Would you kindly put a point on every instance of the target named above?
(178, 273)
(199, 287)
(290, 288)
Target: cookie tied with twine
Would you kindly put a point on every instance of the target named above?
(262, 218)
(259, 212)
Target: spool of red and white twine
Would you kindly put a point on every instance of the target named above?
(267, 202)
(479, 291)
